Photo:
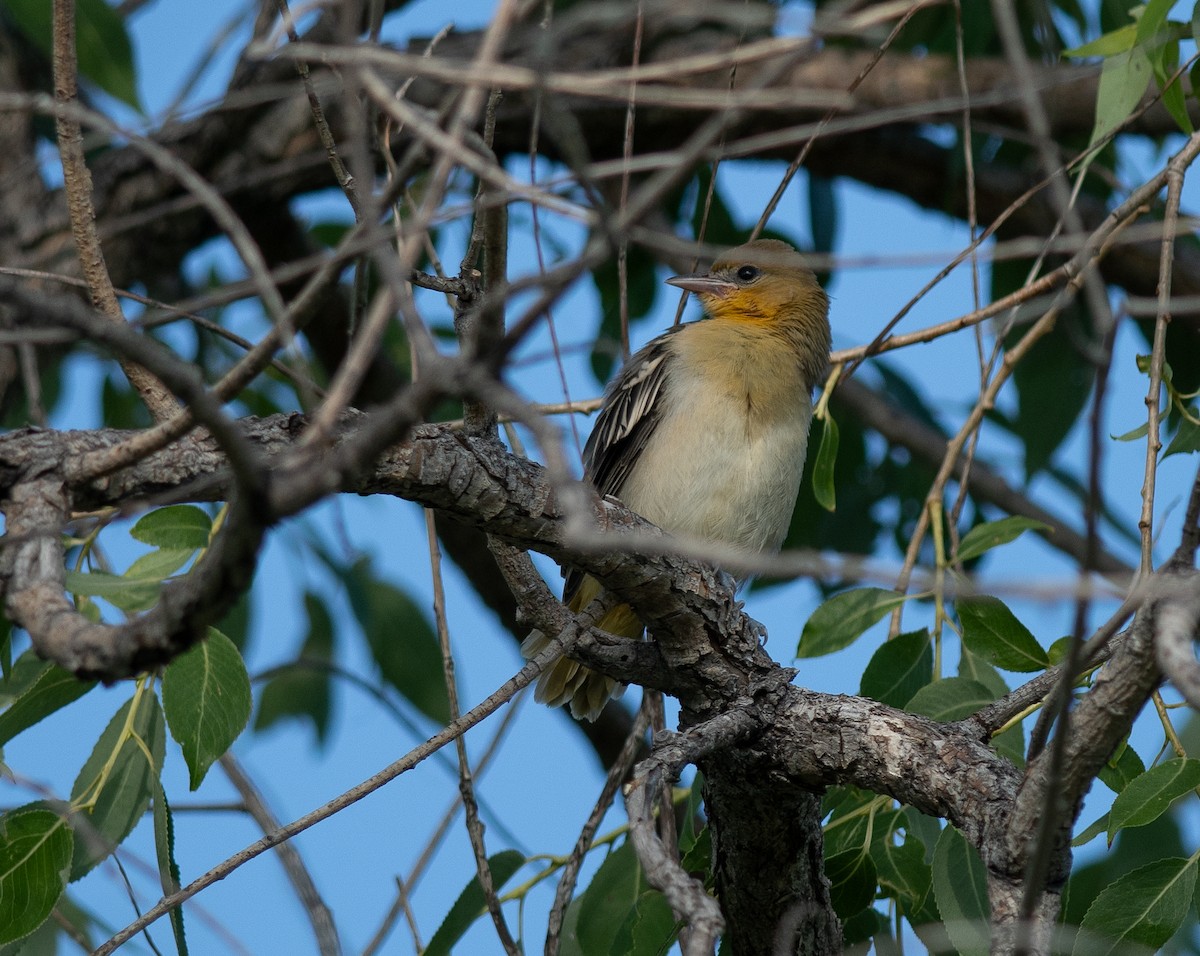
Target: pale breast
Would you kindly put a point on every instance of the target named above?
(734, 447)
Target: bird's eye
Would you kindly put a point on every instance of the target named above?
(747, 273)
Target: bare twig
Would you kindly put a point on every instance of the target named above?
(1175, 173)
(342, 174)
(505, 692)
(78, 183)
(405, 886)
(319, 915)
(687, 896)
(986, 400)
(466, 783)
(876, 55)
(627, 154)
(612, 782)
(1176, 621)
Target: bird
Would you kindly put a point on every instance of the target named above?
(704, 431)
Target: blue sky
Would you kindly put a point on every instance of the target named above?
(543, 781)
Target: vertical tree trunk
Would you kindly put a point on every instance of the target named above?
(767, 857)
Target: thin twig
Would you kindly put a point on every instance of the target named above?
(466, 785)
(340, 172)
(319, 914)
(973, 225)
(612, 782)
(986, 400)
(627, 154)
(493, 702)
(405, 886)
(1175, 173)
(794, 166)
(77, 182)
(687, 896)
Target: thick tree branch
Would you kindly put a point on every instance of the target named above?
(707, 653)
(259, 147)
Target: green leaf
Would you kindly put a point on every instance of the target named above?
(823, 485)
(697, 858)
(6, 662)
(864, 925)
(470, 904)
(178, 527)
(1053, 380)
(235, 625)
(401, 640)
(1089, 833)
(650, 928)
(1122, 767)
(854, 527)
(35, 854)
(1057, 652)
(951, 698)
(841, 620)
(960, 889)
(903, 871)
(103, 50)
(69, 922)
(25, 670)
(303, 690)
(206, 697)
(168, 868)
(852, 881)
(569, 940)
(900, 668)
(1123, 81)
(1165, 61)
(1116, 41)
(993, 632)
(926, 829)
(608, 900)
(973, 667)
(1132, 849)
(117, 780)
(992, 534)
(1152, 18)
(126, 594)
(822, 217)
(1185, 440)
(1147, 797)
(158, 565)
(52, 689)
(642, 287)
(849, 828)
(822, 212)
(1145, 907)
(1140, 432)
(713, 218)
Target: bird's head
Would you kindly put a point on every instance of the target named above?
(762, 281)
(767, 284)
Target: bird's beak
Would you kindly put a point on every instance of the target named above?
(704, 285)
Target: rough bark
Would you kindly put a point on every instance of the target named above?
(707, 653)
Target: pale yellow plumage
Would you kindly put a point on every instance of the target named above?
(704, 431)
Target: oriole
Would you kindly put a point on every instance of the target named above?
(705, 429)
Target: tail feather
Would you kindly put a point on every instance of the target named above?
(567, 682)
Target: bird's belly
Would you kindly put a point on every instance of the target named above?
(734, 479)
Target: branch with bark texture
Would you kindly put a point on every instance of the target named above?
(706, 652)
(259, 147)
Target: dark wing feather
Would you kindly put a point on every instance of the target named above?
(632, 410)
